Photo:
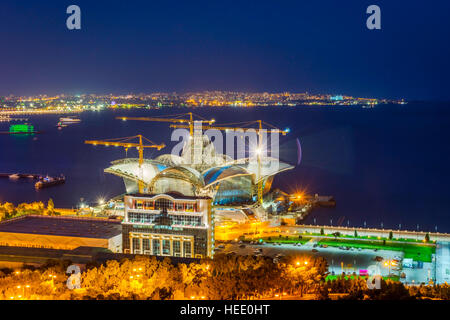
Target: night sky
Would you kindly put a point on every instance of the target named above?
(147, 46)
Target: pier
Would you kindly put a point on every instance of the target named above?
(20, 175)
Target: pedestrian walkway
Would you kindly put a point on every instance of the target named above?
(442, 262)
(312, 242)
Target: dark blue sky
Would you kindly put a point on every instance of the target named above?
(146, 46)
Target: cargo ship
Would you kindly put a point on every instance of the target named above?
(49, 182)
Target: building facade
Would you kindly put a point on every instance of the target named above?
(168, 224)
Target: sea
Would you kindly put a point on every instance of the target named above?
(386, 166)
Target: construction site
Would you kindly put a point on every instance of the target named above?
(238, 186)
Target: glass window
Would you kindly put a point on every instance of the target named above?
(161, 204)
(136, 244)
(187, 249)
(146, 244)
(179, 206)
(156, 247)
(176, 248)
(149, 205)
(166, 247)
(138, 204)
(189, 207)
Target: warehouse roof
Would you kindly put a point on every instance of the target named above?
(63, 226)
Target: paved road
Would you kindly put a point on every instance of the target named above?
(443, 262)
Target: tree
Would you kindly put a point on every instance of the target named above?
(391, 235)
(356, 234)
(427, 237)
(336, 234)
(50, 207)
(321, 231)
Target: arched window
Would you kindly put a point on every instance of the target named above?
(161, 204)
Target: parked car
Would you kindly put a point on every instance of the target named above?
(378, 258)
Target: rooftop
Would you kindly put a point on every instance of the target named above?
(174, 195)
(63, 226)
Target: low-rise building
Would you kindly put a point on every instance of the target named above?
(61, 232)
(168, 224)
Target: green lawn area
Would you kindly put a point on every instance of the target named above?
(414, 251)
(303, 240)
(335, 277)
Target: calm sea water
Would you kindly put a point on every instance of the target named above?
(389, 164)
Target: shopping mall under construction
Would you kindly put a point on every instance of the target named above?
(237, 187)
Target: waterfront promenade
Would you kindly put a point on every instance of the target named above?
(367, 232)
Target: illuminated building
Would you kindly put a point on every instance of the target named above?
(168, 225)
(227, 182)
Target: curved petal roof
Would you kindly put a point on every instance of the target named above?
(182, 172)
(269, 167)
(217, 174)
(129, 168)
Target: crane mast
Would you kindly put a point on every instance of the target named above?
(259, 131)
(127, 143)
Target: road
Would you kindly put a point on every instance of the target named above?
(442, 262)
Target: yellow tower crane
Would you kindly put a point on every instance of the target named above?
(127, 143)
(187, 118)
(259, 130)
(177, 118)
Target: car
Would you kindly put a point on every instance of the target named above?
(242, 246)
(221, 246)
(378, 258)
(315, 250)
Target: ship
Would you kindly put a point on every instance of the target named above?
(23, 128)
(49, 182)
(69, 120)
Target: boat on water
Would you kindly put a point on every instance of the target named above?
(45, 182)
(63, 120)
(14, 176)
(24, 128)
(61, 125)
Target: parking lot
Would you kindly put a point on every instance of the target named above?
(339, 260)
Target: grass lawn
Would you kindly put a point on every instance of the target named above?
(335, 277)
(303, 240)
(414, 251)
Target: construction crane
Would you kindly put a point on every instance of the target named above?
(178, 118)
(259, 130)
(127, 143)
